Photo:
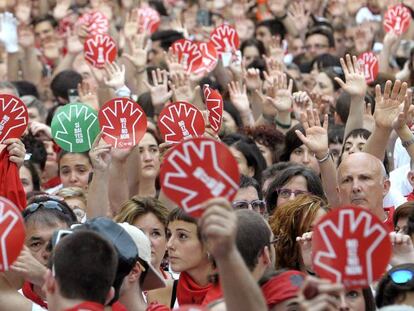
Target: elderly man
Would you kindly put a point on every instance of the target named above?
(362, 181)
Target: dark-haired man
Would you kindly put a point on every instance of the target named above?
(319, 40)
(81, 274)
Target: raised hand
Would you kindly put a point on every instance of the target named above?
(16, 150)
(28, 267)
(301, 102)
(299, 16)
(402, 249)
(115, 76)
(73, 43)
(279, 95)
(181, 87)
(88, 95)
(406, 115)
(316, 138)
(40, 130)
(252, 79)
(62, 9)
(159, 90)
(8, 32)
(23, 10)
(238, 96)
(174, 66)
(131, 24)
(275, 49)
(355, 84)
(138, 47)
(389, 105)
(100, 154)
(305, 245)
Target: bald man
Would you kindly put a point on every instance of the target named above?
(362, 181)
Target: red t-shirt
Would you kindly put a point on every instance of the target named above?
(390, 215)
(87, 306)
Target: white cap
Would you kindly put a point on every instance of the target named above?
(153, 278)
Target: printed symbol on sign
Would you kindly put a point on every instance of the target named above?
(100, 59)
(216, 187)
(124, 130)
(177, 179)
(350, 229)
(8, 220)
(186, 133)
(3, 123)
(352, 262)
(100, 49)
(397, 23)
(78, 133)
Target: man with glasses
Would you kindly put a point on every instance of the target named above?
(249, 196)
(42, 217)
(319, 40)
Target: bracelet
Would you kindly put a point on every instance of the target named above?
(326, 157)
(407, 143)
(282, 125)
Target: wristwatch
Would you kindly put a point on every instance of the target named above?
(407, 143)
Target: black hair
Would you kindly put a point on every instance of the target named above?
(180, 215)
(332, 73)
(49, 217)
(26, 88)
(37, 149)
(336, 134)
(313, 181)
(246, 182)
(253, 42)
(272, 171)
(145, 101)
(85, 266)
(292, 142)
(343, 104)
(275, 27)
(229, 107)
(326, 60)
(249, 149)
(324, 31)
(166, 38)
(33, 172)
(360, 132)
(253, 234)
(63, 82)
(63, 152)
(46, 18)
(389, 293)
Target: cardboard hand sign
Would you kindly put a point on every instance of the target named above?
(99, 50)
(13, 117)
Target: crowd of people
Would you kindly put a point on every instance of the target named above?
(309, 131)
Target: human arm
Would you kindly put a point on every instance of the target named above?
(10, 299)
(356, 87)
(316, 139)
(29, 268)
(98, 192)
(218, 227)
(238, 97)
(402, 249)
(74, 47)
(387, 110)
(30, 63)
(390, 42)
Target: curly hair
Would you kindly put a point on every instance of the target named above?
(292, 220)
(268, 136)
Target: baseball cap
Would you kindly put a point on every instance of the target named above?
(153, 278)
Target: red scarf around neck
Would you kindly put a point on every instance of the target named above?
(189, 292)
(29, 293)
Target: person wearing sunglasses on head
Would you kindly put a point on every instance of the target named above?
(249, 196)
(397, 288)
(42, 217)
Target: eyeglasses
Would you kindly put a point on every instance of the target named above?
(257, 205)
(46, 204)
(315, 46)
(287, 193)
(402, 276)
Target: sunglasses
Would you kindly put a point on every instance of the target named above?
(31, 208)
(402, 276)
(257, 205)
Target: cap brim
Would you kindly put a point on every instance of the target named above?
(153, 279)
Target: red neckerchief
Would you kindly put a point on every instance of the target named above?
(410, 197)
(87, 306)
(213, 294)
(29, 293)
(117, 306)
(51, 183)
(189, 292)
(10, 185)
(390, 215)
